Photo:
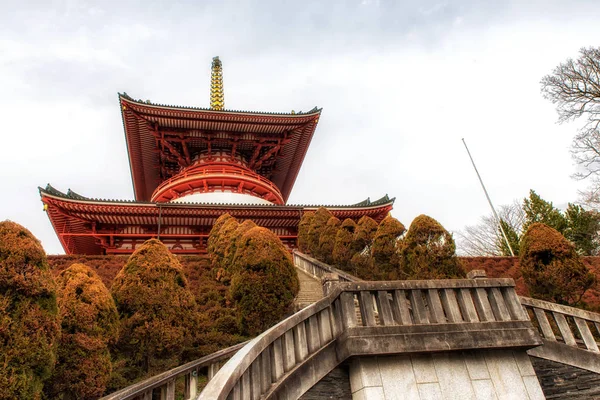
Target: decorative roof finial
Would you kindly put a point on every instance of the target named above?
(217, 97)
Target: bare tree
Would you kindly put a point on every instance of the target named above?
(574, 87)
(485, 238)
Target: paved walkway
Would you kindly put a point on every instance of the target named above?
(310, 292)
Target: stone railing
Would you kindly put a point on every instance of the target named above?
(562, 326)
(374, 318)
(319, 269)
(164, 383)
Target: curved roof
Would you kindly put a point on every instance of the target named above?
(279, 140)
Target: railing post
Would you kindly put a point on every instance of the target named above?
(191, 385)
(167, 392)
(329, 281)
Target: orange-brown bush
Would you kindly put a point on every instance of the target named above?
(232, 246)
(220, 240)
(361, 265)
(214, 232)
(29, 321)
(363, 234)
(428, 252)
(342, 251)
(303, 228)
(156, 307)
(89, 325)
(265, 283)
(317, 226)
(551, 268)
(327, 240)
(383, 249)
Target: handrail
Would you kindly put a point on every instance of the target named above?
(481, 313)
(318, 269)
(559, 328)
(166, 380)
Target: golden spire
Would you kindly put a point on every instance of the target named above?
(217, 97)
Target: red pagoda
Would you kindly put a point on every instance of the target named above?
(188, 167)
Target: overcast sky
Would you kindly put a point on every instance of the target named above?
(400, 83)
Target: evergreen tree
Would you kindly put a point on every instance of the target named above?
(583, 229)
(383, 250)
(265, 282)
(342, 249)
(156, 308)
(316, 227)
(551, 267)
(327, 240)
(364, 234)
(428, 252)
(29, 320)
(513, 239)
(303, 228)
(539, 210)
(89, 325)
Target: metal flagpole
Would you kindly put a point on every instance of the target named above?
(489, 201)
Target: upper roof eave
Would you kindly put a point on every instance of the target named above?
(124, 96)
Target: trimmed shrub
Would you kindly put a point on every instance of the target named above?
(156, 308)
(231, 249)
(29, 320)
(383, 249)
(214, 232)
(327, 240)
(364, 234)
(428, 252)
(89, 325)
(317, 226)
(342, 251)
(223, 238)
(361, 265)
(303, 227)
(265, 283)
(551, 268)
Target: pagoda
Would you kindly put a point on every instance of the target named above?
(188, 167)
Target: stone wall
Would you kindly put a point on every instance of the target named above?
(560, 381)
(334, 386)
(485, 374)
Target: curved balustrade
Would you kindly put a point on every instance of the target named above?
(570, 335)
(412, 316)
(319, 269)
(204, 178)
(165, 382)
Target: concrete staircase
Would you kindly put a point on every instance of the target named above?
(310, 292)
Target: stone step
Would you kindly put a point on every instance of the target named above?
(310, 292)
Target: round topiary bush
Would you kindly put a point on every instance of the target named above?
(384, 247)
(364, 234)
(342, 248)
(317, 226)
(265, 283)
(29, 320)
(327, 240)
(428, 252)
(222, 240)
(213, 236)
(303, 228)
(89, 325)
(156, 307)
(551, 267)
(232, 246)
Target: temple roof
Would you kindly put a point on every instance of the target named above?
(163, 139)
(49, 190)
(87, 226)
